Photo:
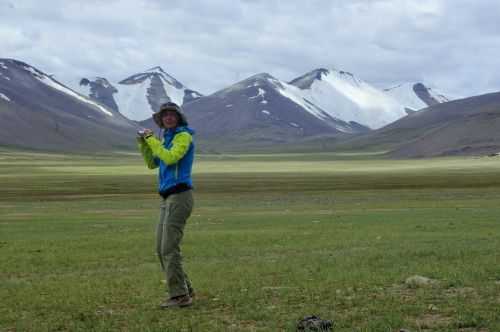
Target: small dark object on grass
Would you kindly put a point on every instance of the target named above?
(314, 323)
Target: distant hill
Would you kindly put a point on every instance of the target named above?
(38, 112)
(469, 126)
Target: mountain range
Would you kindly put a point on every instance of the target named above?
(260, 111)
(38, 112)
(345, 96)
(324, 94)
(263, 111)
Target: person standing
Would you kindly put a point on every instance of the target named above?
(174, 157)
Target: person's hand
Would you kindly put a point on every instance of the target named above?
(144, 133)
(147, 133)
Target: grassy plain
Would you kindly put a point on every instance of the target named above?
(273, 238)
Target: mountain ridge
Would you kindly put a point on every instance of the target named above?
(39, 112)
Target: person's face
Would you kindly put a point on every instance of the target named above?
(169, 119)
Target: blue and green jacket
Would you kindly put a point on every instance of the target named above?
(174, 156)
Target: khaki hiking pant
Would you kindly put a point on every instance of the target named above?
(174, 211)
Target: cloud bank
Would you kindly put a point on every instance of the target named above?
(209, 44)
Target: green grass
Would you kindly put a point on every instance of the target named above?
(273, 238)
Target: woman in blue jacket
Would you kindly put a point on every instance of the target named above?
(174, 157)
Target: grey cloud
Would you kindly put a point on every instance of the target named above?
(209, 44)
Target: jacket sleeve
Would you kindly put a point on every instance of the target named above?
(147, 154)
(180, 146)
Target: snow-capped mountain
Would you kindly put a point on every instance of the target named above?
(139, 95)
(344, 96)
(415, 96)
(40, 112)
(325, 94)
(262, 108)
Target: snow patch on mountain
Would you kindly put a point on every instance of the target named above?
(295, 95)
(2, 75)
(4, 68)
(261, 92)
(406, 94)
(132, 101)
(49, 81)
(341, 95)
(192, 94)
(4, 97)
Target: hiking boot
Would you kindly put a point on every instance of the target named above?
(177, 302)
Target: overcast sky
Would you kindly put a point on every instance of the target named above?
(451, 45)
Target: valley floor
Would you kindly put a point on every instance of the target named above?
(273, 238)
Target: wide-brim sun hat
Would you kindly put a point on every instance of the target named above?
(173, 107)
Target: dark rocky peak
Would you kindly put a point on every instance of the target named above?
(305, 81)
(261, 78)
(424, 94)
(262, 81)
(98, 81)
(101, 90)
(157, 69)
(154, 73)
